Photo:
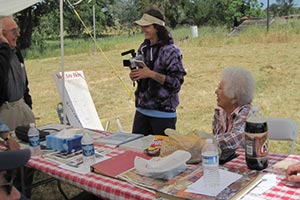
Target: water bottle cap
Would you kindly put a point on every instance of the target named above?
(31, 125)
(209, 140)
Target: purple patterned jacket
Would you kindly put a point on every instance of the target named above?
(165, 59)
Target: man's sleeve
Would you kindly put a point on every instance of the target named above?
(5, 54)
(27, 96)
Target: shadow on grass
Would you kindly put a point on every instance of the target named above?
(50, 190)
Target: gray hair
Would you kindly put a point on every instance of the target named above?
(238, 83)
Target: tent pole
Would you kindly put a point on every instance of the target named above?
(62, 61)
(94, 27)
(268, 15)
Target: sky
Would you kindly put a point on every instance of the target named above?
(296, 2)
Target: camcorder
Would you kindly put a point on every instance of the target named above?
(134, 62)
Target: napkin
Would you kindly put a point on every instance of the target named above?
(226, 178)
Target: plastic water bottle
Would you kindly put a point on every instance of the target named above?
(88, 151)
(34, 140)
(210, 163)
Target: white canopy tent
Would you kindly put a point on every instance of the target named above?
(13, 6)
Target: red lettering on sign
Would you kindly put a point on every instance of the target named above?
(58, 76)
(76, 74)
(69, 76)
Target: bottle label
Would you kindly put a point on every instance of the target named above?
(34, 140)
(88, 149)
(210, 160)
(257, 145)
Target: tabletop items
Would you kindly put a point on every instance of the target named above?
(118, 163)
(59, 142)
(34, 140)
(210, 163)
(163, 167)
(117, 139)
(88, 150)
(116, 167)
(257, 144)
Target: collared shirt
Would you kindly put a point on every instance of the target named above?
(229, 130)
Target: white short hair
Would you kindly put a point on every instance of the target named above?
(238, 83)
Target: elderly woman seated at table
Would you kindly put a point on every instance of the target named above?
(234, 96)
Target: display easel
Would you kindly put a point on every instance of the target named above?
(79, 106)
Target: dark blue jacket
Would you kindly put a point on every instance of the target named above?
(5, 55)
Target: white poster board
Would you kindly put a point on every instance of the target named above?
(80, 108)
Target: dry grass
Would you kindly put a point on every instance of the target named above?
(272, 58)
(274, 63)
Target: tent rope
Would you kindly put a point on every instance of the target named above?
(114, 71)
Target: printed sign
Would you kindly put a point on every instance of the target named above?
(79, 105)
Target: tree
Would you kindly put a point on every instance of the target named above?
(285, 7)
(28, 19)
(173, 11)
(127, 11)
(220, 12)
(43, 18)
(274, 10)
(103, 14)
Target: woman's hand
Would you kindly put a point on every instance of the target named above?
(141, 73)
(145, 72)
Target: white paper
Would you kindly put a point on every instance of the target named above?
(81, 169)
(267, 182)
(226, 179)
(247, 197)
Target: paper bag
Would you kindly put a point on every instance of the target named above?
(191, 142)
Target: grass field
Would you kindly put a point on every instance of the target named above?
(272, 57)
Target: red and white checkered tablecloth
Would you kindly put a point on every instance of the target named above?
(102, 186)
(283, 190)
(110, 188)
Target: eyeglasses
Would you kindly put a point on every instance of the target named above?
(9, 177)
(14, 31)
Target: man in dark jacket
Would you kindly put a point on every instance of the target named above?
(15, 100)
